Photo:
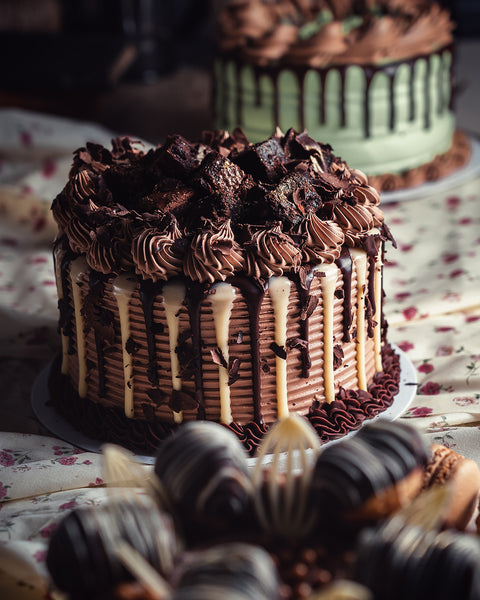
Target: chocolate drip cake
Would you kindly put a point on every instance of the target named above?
(374, 79)
(220, 281)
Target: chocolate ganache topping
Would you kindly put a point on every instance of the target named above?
(217, 208)
(318, 33)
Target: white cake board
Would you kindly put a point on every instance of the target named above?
(59, 426)
(470, 170)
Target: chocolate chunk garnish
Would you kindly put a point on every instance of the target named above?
(181, 400)
(131, 346)
(148, 411)
(156, 396)
(278, 350)
(337, 356)
(218, 358)
(233, 373)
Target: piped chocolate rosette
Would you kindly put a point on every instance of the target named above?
(223, 281)
(157, 541)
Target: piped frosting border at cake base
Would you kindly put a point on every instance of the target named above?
(331, 421)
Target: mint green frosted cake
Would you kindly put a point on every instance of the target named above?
(374, 79)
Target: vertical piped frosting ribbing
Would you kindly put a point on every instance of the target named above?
(223, 280)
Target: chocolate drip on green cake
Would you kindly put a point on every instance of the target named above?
(253, 295)
(345, 264)
(195, 294)
(390, 70)
(148, 293)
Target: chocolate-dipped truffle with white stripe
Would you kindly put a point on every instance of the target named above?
(371, 475)
(82, 556)
(235, 571)
(203, 471)
(398, 561)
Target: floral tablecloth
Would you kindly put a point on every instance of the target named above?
(433, 307)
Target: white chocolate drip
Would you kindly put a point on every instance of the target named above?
(279, 290)
(78, 268)
(377, 331)
(222, 304)
(58, 278)
(328, 284)
(173, 298)
(123, 288)
(360, 259)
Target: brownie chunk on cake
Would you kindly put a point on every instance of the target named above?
(219, 280)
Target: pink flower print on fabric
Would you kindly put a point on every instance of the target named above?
(453, 202)
(68, 460)
(419, 411)
(68, 505)
(405, 346)
(444, 351)
(425, 367)
(431, 388)
(3, 491)
(47, 531)
(410, 313)
(40, 555)
(6, 459)
(465, 400)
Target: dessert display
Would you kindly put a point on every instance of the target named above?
(222, 281)
(336, 550)
(373, 79)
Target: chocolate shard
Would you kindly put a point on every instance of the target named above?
(296, 342)
(181, 400)
(131, 346)
(218, 358)
(287, 203)
(308, 308)
(156, 396)
(233, 373)
(278, 350)
(337, 356)
(148, 412)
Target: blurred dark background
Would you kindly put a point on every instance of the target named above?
(139, 67)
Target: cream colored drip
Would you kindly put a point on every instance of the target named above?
(78, 268)
(328, 286)
(173, 298)
(377, 331)
(279, 290)
(360, 259)
(222, 304)
(59, 254)
(123, 287)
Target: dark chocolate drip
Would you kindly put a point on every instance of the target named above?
(323, 112)
(238, 95)
(301, 100)
(276, 99)
(345, 264)
(224, 97)
(65, 308)
(342, 72)
(391, 72)
(303, 290)
(369, 74)
(411, 91)
(148, 292)
(257, 91)
(195, 294)
(371, 294)
(426, 113)
(253, 295)
(441, 94)
(97, 288)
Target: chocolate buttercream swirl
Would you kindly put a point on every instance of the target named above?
(323, 240)
(213, 254)
(110, 247)
(155, 254)
(83, 186)
(318, 34)
(79, 235)
(272, 252)
(62, 210)
(356, 221)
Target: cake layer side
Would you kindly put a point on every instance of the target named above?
(368, 113)
(254, 363)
